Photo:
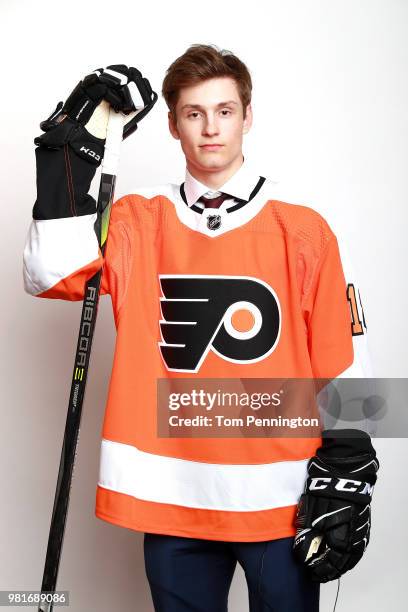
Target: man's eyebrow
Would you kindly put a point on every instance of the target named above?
(200, 107)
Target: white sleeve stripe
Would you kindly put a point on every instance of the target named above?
(55, 249)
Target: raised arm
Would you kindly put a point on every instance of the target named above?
(61, 251)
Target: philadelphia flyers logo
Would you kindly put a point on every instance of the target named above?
(236, 317)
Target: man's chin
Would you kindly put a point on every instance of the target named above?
(212, 163)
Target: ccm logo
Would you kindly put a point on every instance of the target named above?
(343, 484)
(90, 153)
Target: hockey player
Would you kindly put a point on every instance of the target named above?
(212, 278)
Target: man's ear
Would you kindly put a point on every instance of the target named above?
(172, 126)
(248, 120)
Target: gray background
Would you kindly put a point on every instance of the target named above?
(330, 104)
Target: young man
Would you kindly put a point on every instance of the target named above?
(213, 278)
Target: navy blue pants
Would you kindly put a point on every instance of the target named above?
(195, 575)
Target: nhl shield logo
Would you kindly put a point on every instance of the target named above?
(214, 222)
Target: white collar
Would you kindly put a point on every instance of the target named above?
(239, 185)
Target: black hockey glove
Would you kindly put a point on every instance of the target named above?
(123, 88)
(75, 133)
(333, 517)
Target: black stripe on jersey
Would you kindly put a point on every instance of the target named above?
(239, 203)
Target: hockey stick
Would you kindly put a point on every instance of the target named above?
(88, 319)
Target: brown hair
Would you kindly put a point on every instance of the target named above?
(202, 62)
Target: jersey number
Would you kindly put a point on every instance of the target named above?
(356, 322)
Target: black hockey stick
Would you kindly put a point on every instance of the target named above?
(88, 319)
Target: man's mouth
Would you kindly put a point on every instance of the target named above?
(211, 147)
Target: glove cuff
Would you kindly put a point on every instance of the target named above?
(344, 467)
(345, 443)
(346, 449)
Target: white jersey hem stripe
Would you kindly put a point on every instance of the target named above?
(210, 486)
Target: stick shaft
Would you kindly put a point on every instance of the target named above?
(81, 364)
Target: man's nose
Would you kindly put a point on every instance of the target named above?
(210, 126)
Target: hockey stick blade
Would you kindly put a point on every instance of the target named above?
(86, 331)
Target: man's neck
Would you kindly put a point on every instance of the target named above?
(215, 178)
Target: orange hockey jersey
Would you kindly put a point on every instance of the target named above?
(180, 276)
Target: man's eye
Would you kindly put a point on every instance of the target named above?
(194, 114)
(226, 110)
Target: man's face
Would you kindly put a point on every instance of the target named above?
(210, 124)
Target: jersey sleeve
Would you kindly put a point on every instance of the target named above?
(335, 319)
(328, 321)
(61, 255)
(337, 335)
(362, 363)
